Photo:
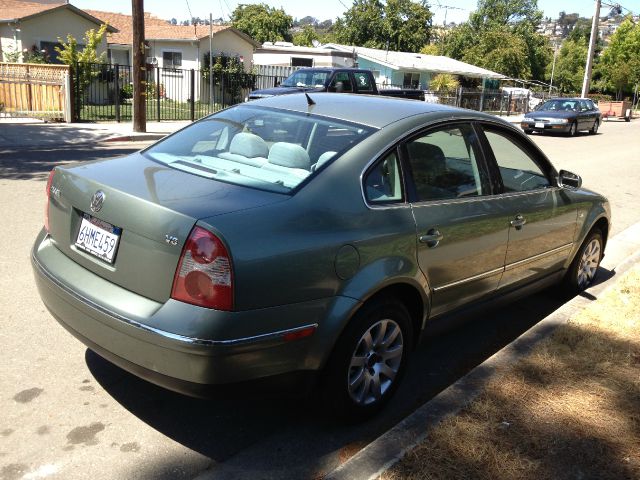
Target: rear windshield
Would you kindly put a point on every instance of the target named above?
(307, 79)
(258, 147)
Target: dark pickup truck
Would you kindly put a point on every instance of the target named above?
(341, 80)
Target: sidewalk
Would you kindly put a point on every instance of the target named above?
(27, 133)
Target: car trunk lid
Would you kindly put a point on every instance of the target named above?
(151, 207)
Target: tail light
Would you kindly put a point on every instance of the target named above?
(204, 275)
(48, 192)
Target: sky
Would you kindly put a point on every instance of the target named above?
(325, 9)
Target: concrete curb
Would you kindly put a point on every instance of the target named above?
(623, 250)
(143, 137)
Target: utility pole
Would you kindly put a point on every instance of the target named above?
(592, 47)
(553, 67)
(211, 62)
(139, 67)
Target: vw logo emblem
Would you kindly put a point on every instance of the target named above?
(97, 200)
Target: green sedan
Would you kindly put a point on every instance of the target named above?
(296, 237)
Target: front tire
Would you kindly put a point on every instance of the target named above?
(583, 269)
(528, 131)
(594, 129)
(573, 130)
(369, 360)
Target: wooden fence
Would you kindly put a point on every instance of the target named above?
(35, 90)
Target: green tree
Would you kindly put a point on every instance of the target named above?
(501, 35)
(306, 37)
(444, 82)
(81, 59)
(570, 63)
(431, 49)
(70, 54)
(619, 65)
(262, 22)
(399, 25)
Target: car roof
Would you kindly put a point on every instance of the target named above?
(371, 110)
(568, 98)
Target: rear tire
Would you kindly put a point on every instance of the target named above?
(368, 361)
(528, 132)
(594, 129)
(583, 269)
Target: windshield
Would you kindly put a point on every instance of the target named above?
(306, 79)
(258, 147)
(560, 105)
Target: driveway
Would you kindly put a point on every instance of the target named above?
(68, 414)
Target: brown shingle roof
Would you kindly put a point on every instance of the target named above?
(154, 28)
(16, 9)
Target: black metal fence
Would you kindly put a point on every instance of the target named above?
(104, 92)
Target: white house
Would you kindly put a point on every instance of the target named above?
(411, 70)
(41, 26)
(285, 54)
(175, 46)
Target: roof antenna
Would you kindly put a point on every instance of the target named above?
(310, 101)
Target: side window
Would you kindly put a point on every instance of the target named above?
(363, 82)
(341, 82)
(444, 164)
(518, 169)
(383, 183)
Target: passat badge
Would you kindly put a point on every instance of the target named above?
(97, 200)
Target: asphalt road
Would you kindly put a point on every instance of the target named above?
(68, 414)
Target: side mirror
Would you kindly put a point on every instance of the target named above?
(568, 179)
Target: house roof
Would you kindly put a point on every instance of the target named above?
(17, 10)
(158, 29)
(417, 62)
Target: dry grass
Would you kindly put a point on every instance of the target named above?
(569, 410)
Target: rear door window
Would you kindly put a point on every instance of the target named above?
(383, 182)
(341, 82)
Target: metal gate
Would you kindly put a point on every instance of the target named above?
(35, 91)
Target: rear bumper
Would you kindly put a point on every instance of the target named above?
(189, 363)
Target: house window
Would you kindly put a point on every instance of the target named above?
(50, 49)
(301, 62)
(171, 59)
(411, 80)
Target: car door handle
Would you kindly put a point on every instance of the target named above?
(432, 238)
(518, 222)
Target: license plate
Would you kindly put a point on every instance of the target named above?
(98, 238)
(539, 125)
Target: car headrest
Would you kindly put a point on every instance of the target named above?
(322, 159)
(426, 155)
(289, 155)
(248, 145)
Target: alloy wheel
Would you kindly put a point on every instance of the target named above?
(375, 362)
(589, 263)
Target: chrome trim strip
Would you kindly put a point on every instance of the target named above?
(519, 263)
(468, 279)
(168, 335)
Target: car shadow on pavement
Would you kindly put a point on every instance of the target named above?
(285, 436)
(35, 163)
